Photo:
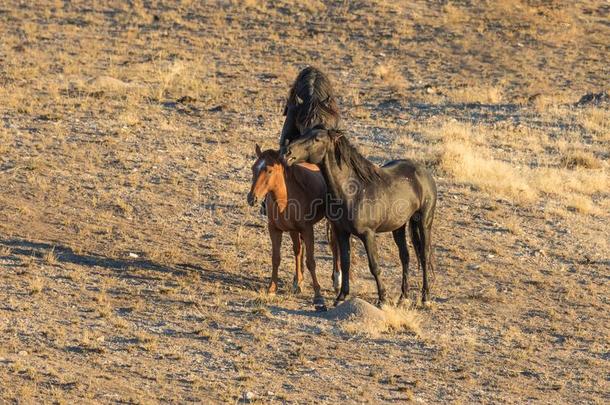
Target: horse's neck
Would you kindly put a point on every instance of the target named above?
(279, 191)
(338, 179)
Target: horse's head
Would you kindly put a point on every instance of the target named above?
(311, 148)
(311, 103)
(264, 174)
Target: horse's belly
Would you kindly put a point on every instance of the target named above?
(385, 215)
(295, 216)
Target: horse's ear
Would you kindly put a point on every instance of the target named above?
(258, 151)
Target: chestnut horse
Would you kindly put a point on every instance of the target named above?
(295, 200)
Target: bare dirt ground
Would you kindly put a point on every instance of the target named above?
(131, 265)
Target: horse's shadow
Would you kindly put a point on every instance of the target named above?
(129, 268)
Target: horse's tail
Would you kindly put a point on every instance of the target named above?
(432, 262)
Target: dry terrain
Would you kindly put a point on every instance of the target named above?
(132, 268)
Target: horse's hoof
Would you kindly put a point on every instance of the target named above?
(339, 299)
(319, 304)
(297, 288)
(426, 304)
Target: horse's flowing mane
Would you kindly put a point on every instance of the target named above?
(318, 106)
(346, 153)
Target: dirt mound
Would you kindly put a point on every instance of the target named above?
(355, 309)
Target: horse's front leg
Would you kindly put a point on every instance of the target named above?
(297, 248)
(276, 244)
(334, 246)
(371, 251)
(344, 250)
(308, 240)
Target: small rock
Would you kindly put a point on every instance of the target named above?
(133, 255)
(249, 396)
(23, 353)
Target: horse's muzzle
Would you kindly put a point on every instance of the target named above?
(288, 158)
(251, 199)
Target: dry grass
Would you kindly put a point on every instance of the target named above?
(583, 204)
(466, 155)
(573, 159)
(394, 320)
(476, 167)
(36, 285)
(475, 94)
(50, 257)
(391, 77)
(131, 263)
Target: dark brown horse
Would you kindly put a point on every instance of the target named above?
(311, 103)
(295, 199)
(368, 199)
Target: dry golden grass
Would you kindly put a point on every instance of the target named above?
(389, 74)
(475, 94)
(476, 167)
(394, 320)
(36, 285)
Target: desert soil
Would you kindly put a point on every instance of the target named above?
(132, 269)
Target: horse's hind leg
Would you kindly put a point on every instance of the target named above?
(400, 238)
(297, 248)
(308, 239)
(426, 230)
(421, 236)
(276, 244)
(371, 251)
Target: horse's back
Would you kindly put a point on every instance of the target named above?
(309, 166)
(415, 172)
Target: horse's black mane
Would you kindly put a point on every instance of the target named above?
(318, 104)
(346, 153)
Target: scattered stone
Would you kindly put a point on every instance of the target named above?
(593, 99)
(133, 255)
(23, 353)
(186, 99)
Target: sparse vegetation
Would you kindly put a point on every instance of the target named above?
(130, 263)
